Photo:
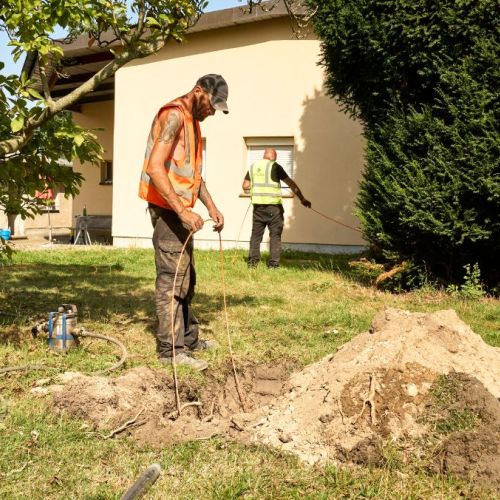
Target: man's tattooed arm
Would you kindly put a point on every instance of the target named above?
(162, 150)
(213, 212)
(205, 197)
(170, 128)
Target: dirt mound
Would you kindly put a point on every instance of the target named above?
(417, 381)
(376, 388)
(468, 417)
(144, 400)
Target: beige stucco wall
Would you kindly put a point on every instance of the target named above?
(275, 89)
(97, 197)
(60, 219)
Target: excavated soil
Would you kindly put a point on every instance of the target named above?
(144, 400)
(378, 388)
(475, 451)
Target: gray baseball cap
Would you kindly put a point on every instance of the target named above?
(217, 87)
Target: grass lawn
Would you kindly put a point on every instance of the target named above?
(296, 314)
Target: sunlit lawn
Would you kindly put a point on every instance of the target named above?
(298, 314)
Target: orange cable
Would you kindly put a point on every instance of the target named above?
(236, 381)
(174, 365)
(336, 221)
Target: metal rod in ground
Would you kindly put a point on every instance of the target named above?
(143, 483)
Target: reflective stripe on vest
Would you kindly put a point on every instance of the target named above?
(183, 166)
(264, 190)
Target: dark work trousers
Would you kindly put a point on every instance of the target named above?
(168, 238)
(270, 216)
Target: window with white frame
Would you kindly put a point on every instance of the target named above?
(285, 157)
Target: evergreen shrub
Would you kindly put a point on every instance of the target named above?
(423, 78)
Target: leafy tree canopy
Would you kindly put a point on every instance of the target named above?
(134, 29)
(37, 136)
(378, 53)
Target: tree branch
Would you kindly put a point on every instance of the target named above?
(146, 48)
(140, 21)
(42, 66)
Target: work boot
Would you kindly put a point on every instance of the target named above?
(186, 359)
(205, 345)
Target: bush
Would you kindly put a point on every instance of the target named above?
(423, 78)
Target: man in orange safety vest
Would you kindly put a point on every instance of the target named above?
(171, 183)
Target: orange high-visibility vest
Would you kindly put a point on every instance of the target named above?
(183, 166)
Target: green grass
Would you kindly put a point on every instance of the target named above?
(444, 393)
(296, 314)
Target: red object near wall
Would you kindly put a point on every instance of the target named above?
(46, 194)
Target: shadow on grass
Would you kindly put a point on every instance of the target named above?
(102, 293)
(99, 291)
(207, 308)
(337, 264)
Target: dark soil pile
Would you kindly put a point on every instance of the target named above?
(466, 420)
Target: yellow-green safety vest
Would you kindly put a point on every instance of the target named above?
(264, 190)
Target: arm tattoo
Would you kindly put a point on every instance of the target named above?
(204, 195)
(170, 129)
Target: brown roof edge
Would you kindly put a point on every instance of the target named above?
(208, 21)
(29, 63)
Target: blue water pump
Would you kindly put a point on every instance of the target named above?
(62, 326)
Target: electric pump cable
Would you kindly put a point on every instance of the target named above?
(124, 354)
(241, 229)
(231, 353)
(81, 333)
(335, 220)
(229, 342)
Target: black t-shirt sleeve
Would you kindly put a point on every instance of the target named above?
(247, 177)
(278, 173)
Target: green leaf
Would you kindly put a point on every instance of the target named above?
(79, 139)
(17, 123)
(34, 93)
(153, 22)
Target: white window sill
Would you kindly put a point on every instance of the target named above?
(284, 195)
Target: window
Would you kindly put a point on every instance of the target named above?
(107, 172)
(284, 147)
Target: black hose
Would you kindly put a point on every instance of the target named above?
(25, 367)
(81, 333)
(143, 483)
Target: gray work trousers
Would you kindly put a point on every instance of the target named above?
(270, 216)
(168, 238)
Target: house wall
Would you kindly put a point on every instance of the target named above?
(97, 197)
(275, 90)
(60, 219)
